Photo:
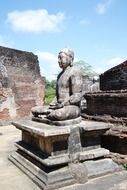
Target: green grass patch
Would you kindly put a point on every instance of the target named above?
(49, 95)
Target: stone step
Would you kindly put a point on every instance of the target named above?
(45, 180)
(63, 158)
(101, 167)
(65, 175)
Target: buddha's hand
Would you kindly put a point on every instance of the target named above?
(56, 106)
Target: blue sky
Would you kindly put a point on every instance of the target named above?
(95, 29)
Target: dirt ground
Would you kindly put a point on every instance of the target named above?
(11, 178)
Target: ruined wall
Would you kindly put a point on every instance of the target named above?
(112, 103)
(21, 85)
(115, 139)
(115, 78)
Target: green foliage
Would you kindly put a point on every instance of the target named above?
(51, 84)
(50, 91)
(86, 68)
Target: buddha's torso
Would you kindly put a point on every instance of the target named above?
(63, 84)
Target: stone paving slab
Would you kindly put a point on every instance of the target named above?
(11, 178)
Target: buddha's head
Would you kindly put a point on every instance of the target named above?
(65, 58)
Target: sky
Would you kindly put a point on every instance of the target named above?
(96, 30)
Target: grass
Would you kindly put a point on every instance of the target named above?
(49, 95)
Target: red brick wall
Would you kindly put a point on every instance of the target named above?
(24, 87)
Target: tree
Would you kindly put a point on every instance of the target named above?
(86, 68)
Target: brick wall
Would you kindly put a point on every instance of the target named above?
(115, 78)
(21, 85)
(112, 103)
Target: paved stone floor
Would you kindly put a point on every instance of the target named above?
(11, 178)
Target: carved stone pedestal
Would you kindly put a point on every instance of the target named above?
(55, 156)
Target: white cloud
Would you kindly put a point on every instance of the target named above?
(46, 56)
(103, 6)
(35, 21)
(48, 64)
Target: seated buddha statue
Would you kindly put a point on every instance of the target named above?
(68, 91)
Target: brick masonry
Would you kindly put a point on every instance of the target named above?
(21, 84)
(115, 78)
(112, 98)
(112, 103)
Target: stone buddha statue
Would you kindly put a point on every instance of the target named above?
(68, 92)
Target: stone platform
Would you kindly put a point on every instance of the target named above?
(55, 156)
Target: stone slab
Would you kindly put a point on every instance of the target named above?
(46, 130)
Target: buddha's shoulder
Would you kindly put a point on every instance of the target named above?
(76, 69)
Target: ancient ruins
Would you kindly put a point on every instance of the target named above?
(109, 104)
(21, 85)
(58, 147)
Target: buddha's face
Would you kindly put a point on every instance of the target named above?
(64, 60)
